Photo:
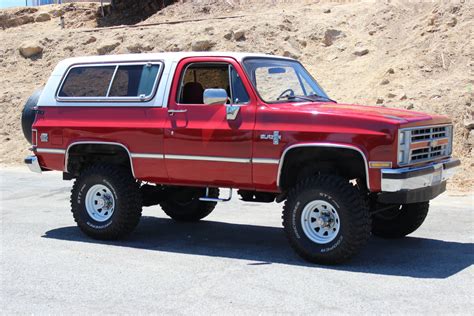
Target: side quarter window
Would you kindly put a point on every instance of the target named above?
(118, 82)
(87, 82)
(134, 80)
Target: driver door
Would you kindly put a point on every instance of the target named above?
(202, 145)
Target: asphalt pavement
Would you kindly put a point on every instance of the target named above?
(235, 261)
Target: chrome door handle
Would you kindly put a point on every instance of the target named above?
(232, 111)
(172, 112)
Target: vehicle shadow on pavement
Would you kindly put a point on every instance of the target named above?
(411, 257)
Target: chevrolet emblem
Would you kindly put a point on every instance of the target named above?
(434, 143)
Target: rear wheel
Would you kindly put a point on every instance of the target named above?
(183, 204)
(400, 220)
(106, 202)
(326, 220)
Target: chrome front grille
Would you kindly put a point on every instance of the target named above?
(424, 144)
(428, 133)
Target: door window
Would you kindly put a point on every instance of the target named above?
(201, 76)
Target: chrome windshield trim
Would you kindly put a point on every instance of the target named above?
(344, 146)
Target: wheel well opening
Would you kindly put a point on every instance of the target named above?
(303, 162)
(82, 155)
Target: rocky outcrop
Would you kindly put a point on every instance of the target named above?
(132, 12)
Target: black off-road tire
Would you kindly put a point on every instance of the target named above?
(128, 204)
(183, 204)
(401, 221)
(353, 214)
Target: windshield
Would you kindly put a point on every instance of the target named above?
(279, 80)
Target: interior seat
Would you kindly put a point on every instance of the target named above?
(193, 93)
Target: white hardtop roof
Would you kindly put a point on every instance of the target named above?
(167, 57)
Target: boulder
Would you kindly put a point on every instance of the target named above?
(228, 35)
(330, 36)
(470, 138)
(452, 22)
(361, 52)
(140, 47)
(43, 17)
(239, 35)
(469, 122)
(30, 48)
(202, 46)
(291, 52)
(91, 39)
(107, 46)
(209, 30)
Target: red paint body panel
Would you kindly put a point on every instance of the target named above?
(203, 130)
(139, 129)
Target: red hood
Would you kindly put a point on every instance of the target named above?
(393, 115)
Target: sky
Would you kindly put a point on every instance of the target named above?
(11, 3)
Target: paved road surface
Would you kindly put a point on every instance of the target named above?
(236, 261)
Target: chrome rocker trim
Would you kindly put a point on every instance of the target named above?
(412, 178)
(33, 164)
(50, 151)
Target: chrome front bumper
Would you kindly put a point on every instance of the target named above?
(413, 178)
(33, 163)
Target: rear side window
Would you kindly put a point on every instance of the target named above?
(87, 82)
(134, 81)
(110, 83)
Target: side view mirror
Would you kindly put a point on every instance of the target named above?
(215, 96)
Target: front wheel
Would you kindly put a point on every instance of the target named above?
(326, 220)
(400, 220)
(106, 202)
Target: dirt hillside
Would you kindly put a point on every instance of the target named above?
(396, 54)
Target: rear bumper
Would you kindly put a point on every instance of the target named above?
(33, 163)
(416, 184)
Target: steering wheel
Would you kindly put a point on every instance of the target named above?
(286, 91)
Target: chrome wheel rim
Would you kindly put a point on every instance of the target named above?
(100, 203)
(320, 221)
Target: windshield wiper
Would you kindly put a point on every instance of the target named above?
(292, 97)
(322, 97)
(309, 98)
